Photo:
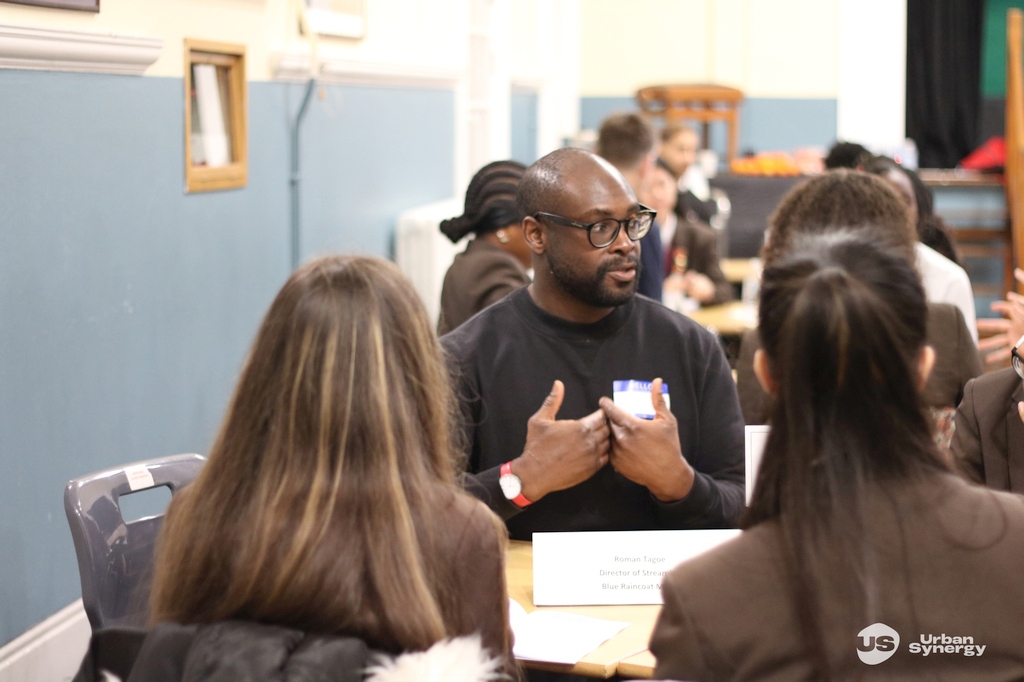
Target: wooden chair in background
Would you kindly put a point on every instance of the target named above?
(703, 103)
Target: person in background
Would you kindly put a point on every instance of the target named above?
(678, 149)
(834, 201)
(691, 250)
(495, 261)
(860, 545)
(944, 280)
(1006, 331)
(330, 501)
(548, 449)
(988, 443)
(626, 141)
(846, 155)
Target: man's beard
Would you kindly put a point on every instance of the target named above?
(592, 289)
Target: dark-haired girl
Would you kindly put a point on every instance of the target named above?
(860, 547)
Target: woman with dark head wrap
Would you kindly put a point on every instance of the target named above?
(495, 261)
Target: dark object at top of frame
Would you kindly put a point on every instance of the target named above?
(82, 5)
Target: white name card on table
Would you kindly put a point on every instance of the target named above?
(621, 567)
(755, 437)
(558, 637)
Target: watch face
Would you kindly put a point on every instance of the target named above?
(511, 486)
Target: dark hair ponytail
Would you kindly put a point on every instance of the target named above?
(842, 322)
(490, 201)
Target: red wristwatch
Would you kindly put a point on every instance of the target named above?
(512, 486)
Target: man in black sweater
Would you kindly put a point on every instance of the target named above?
(555, 348)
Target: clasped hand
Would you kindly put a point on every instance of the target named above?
(648, 452)
(562, 453)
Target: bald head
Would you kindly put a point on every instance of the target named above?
(552, 180)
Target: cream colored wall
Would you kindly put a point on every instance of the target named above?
(767, 48)
(544, 52)
(424, 33)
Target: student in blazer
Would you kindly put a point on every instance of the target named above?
(834, 201)
(331, 503)
(988, 442)
(495, 261)
(956, 364)
(862, 550)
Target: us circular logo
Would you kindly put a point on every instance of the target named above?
(877, 643)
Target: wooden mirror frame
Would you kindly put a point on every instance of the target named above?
(236, 173)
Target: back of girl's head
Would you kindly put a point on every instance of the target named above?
(344, 363)
(836, 200)
(490, 201)
(335, 438)
(842, 323)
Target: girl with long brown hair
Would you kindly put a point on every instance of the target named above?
(862, 555)
(329, 502)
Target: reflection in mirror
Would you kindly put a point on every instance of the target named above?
(343, 18)
(215, 94)
(211, 115)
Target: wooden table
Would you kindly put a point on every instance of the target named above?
(738, 269)
(728, 319)
(626, 653)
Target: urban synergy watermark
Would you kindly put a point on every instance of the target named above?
(877, 643)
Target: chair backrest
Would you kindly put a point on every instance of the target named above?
(115, 558)
(704, 103)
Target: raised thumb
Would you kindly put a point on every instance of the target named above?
(552, 403)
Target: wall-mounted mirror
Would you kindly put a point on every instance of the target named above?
(216, 106)
(342, 18)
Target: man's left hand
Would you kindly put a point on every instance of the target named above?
(648, 451)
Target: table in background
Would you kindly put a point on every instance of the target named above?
(734, 318)
(738, 269)
(626, 653)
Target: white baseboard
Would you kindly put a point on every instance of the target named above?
(49, 652)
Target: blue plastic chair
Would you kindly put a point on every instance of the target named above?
(115, 559)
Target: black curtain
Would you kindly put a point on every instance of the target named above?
(944, 78)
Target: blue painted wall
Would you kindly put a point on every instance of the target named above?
(524, 126)
(765, 124)
(126, 306)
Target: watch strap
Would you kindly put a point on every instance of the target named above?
(519, 500)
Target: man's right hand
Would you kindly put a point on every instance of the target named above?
(560, 453)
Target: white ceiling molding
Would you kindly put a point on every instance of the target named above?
(294, 66)
(26, 47)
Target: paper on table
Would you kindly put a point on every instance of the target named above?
(556, 636)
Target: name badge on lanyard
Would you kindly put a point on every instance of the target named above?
(634, 397)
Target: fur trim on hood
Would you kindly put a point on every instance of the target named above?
(462, 659)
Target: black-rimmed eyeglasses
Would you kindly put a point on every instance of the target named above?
(603, 232)
(1016, 360)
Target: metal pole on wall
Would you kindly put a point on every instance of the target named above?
(294, 177)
